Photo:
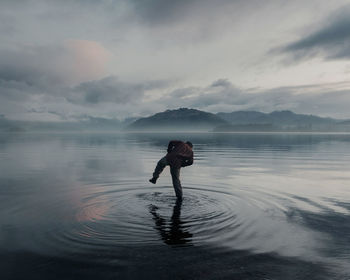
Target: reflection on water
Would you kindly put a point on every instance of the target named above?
(256, 206)
(175, 233)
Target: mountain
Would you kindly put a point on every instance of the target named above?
(276, 121)
(244, 117)
(184, 119)
(276, 117)
(180, 119)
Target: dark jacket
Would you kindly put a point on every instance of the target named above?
(179, 154)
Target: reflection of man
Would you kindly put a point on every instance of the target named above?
(175, 234)
(179, 155)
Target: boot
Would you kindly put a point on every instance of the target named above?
(153, 180)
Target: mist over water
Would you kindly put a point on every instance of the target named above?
(256, 206)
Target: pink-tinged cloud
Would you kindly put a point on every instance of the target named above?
(83, 61)
(64, 64)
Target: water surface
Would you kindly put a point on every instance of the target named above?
(256, 206)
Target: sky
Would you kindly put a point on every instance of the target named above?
(67, 60)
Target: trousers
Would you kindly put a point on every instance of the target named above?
(175, 175)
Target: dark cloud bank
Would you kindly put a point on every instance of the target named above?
(330, 40)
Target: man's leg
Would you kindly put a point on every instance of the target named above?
(159, 168)
(175, 175)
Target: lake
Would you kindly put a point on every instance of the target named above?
(256, 206)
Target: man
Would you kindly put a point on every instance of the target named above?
(179, 155)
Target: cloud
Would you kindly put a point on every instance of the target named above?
(111, 90)
(188, 22)
(68, 63)
(87, 60)
(160, 12)
(331, 40)
(223, 96)
(58, 81)
(32, 77)
(190, 42)
(112, 97)
(219, 92)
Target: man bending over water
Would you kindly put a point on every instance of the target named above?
(179, 155)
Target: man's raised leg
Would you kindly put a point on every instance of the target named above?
(162, 163)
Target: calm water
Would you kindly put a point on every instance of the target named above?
(256, 206)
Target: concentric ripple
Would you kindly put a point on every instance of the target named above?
(111, 216)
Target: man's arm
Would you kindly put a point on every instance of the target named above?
(187, 162)
(187, 159)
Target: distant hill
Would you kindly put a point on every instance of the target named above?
(275, 121)
(185, 119)
(276, 117)
(244, 117)
(180, 119)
